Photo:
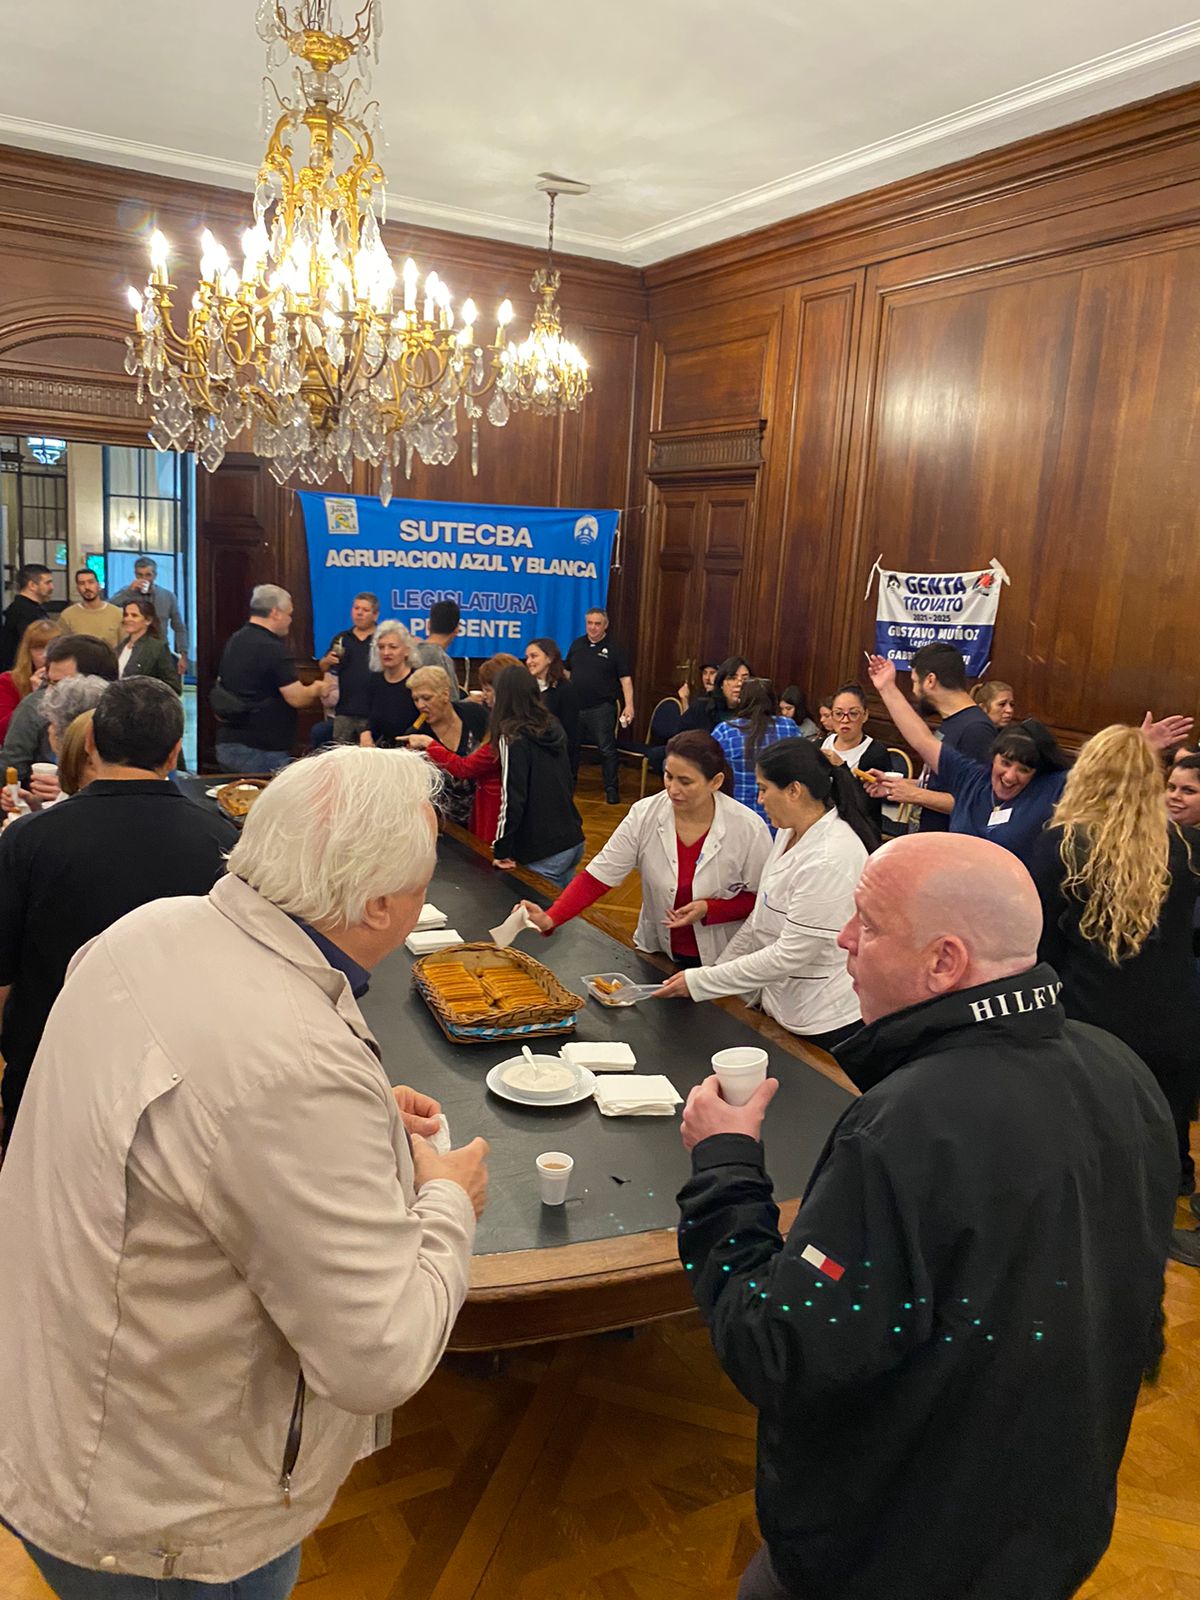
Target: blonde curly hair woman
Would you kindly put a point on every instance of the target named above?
(1118, 885)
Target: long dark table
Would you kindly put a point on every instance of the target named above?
(607, 1258)
(627, 1169)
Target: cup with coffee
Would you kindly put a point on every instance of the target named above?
(739, 1072)
(554, 1176)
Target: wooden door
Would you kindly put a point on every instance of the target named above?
(240, 518)
(699, 544)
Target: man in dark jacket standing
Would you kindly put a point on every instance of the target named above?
(946, 1350)
(34, 586)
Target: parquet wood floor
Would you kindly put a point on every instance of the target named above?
(623, 1469)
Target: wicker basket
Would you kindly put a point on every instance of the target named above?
(235, 802)
(556, 1014)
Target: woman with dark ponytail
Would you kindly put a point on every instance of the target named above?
(787, 948)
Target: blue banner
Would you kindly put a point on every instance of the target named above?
(517, 572)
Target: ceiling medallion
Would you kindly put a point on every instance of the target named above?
(316, 343)
(546, 373)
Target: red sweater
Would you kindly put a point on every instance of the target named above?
(584, 890)
(10, 699)
(482, 766)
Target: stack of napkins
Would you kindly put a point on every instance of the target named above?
(644, 1095)
(424, 944)
(613, 1057)
(431, 917)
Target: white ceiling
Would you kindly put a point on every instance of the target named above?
(692, 119)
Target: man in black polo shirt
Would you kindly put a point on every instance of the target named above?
(939, 684)
(67, 874)
(349, 655)
(257, 693)
(600, 675)
(34, 586)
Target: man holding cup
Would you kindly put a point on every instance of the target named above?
(946, 1349)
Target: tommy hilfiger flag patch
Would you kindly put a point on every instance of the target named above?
(823, 1263)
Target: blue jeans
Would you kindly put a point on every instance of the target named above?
(275, 1581)
(560, 868)
(245, 758)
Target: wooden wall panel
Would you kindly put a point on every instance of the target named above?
(800, 557)
(71, 239)
(1035, 413)
(998, 359)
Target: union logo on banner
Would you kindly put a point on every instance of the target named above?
(587, 530)
(341, 515)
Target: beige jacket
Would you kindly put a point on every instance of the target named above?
(209, 1192)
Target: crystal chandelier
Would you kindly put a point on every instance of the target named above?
(316, 343)
(546, 373)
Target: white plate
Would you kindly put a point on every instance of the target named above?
(213, 793)
(583, 1090)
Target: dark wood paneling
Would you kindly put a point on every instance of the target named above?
(1033, 413)
(697, 575)
(823, 318)
(71, 239)
(241, 518)
(994, 360)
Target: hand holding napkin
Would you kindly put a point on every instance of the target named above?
(514, 923)
(642, 1095)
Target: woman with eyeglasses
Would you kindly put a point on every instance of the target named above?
(850, 744)
(722, 702)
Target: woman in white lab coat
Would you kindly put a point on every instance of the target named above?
(698, 852)
(787, 949)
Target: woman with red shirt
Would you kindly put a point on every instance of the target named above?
(699, 854)
(482, 766)
(28, 670)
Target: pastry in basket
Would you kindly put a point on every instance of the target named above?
(236, 798)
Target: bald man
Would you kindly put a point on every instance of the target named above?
(946, 1349)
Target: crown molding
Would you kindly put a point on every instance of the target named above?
(1149, 67)
(1153, 66)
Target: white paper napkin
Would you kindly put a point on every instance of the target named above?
(514, 923)
(441, 1139)
(615, 1056)
(423, 944)
(645, 1095)
(430, 918)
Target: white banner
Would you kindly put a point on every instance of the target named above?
(920, 608)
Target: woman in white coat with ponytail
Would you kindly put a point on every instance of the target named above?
(699, 855)
(786, 953)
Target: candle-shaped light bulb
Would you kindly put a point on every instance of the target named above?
(468, 312)
(159, 251)
(134, 297)
(431, 285)
(505, 314)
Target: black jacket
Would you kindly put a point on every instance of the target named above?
(1152, 1000)
(561, 701)
(537, 814)
(946, 1351)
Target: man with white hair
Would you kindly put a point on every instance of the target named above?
(946, 1349)
(257, 694)
(224, 1243)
